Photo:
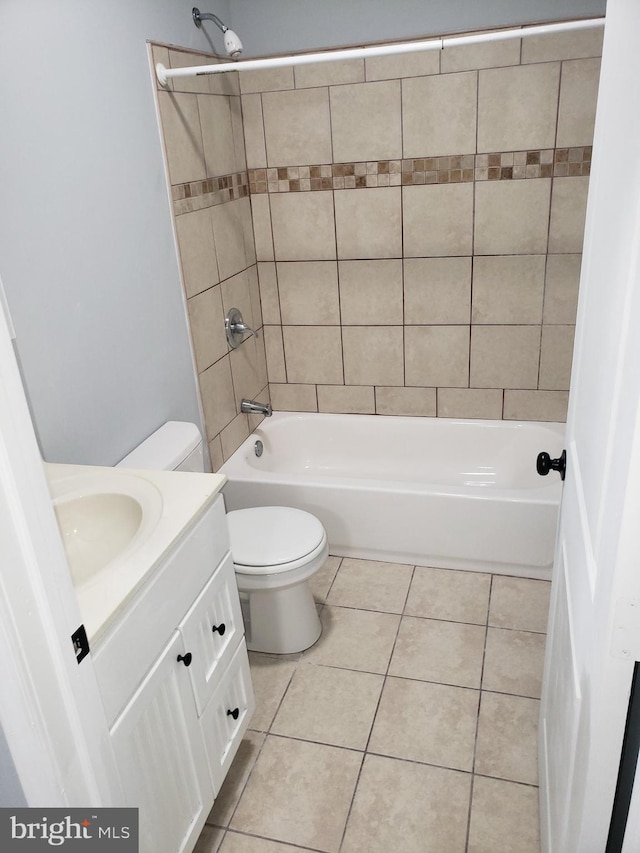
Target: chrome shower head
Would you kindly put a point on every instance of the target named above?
(232, 43)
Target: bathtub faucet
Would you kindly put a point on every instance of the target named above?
(250, 407)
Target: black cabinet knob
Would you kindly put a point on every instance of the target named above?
(221, 628)
(186, 659)
(545, 463)
(235, 713)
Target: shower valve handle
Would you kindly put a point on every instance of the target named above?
(545, 463)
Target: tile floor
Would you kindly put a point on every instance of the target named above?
(410, 725)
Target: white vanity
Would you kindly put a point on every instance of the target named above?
(166, 634)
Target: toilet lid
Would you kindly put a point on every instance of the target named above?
(269, 536)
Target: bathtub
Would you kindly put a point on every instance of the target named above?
(460, 494)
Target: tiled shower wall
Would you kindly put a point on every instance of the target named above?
(204, 148)
(418, 225)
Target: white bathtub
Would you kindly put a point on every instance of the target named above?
(428, 491)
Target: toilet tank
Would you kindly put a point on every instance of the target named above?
(176, 446)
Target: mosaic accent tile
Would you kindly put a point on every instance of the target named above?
(210, 192)
(455, 169)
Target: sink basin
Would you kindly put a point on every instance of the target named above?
(104, 519)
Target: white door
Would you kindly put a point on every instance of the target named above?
(596, 588)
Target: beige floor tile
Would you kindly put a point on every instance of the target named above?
(508, 737)
(448, 595)
(354, 639)
(513, 662)
(234, 842)
(300, 793)
(321, 582)
(329, 705)
(420, 721)
(270, 677)
(209, 840)
(408, 808)
(371, 585)
(235, 780)
(504, 816)
(519, 603)
(446, 652)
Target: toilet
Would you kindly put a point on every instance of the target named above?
(275, 549)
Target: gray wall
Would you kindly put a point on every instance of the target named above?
(11, 794)
(276, 26)
(86, 244)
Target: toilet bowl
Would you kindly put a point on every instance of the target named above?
(275, 551)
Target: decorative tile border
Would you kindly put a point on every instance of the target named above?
(197, 195)
(503, 166)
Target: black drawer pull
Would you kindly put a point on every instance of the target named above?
(221, 628)
(544, 464)
(186, 659)
(235, 713)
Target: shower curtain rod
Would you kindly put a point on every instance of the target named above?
(165, 74)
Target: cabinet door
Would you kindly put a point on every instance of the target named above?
(160, 753)
(227, 715)
(212, 630)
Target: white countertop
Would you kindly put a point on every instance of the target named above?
(179, 499)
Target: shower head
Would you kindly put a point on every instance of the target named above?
(232, 43)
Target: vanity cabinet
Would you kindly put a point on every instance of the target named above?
(177, 720)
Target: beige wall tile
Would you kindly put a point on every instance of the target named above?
(185, 59)
(215, 453)
(329, 73)
(372, 355)
(237, 125)
(439, 115)
(217, 134)
(248, 370)
(368, 223)
(244, 208)
(418, 402)
(568, 210)
(309, 293)
(293, 397)
(313, 354)
(182, 137)
(274, 350)
(254, 295)
(218, 402)
(503, 810)
(508, 289)
(161, 54)
(206, 319)
(571, 45)
(490, 55)
(269, 298)
(197, 251)
(578, 99)
(402, 65)
(517, 107)
(261, 397)
(556, 354)
(561, 289)
(297, 127)
(303, 226)
(370, 292)
(437, 355)
(470, 403)
(236, 294)
(233, 435)
(254, 132)
(437, 290)
(261, 216)
(505, 356)
(225, 83)
(266, 80)
(536, 406)
(346, 399)
(512, 217)
(438, 220)
(229, 236)
(358, 131)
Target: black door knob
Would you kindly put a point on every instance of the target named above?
(235, 713)
(221, 628)
(186, 659)
(545, 463)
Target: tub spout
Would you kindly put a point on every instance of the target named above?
(250, 407)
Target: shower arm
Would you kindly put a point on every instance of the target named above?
(199, 17)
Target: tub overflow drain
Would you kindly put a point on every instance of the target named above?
(258, 447)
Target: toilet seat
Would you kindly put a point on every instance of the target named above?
(271, 540)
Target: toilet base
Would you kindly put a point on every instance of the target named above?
(280, 621)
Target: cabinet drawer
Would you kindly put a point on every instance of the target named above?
(212, 630)
(227, 716)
